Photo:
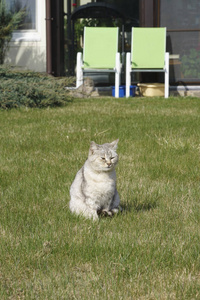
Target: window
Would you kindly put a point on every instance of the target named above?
(29, 31)
(29, 21)
(180, 14)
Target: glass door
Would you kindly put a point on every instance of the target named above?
(182, 19)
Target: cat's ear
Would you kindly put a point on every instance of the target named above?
(93, 147)
(114, 144)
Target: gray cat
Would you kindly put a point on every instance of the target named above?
(93, 191)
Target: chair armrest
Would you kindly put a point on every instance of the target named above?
(79, 71)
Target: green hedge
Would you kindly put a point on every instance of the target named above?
(26, 88)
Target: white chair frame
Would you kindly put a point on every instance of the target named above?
(80, 70)
(129, 70)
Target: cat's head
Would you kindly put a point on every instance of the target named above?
(103, 157)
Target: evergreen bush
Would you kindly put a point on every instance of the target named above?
(31, 89)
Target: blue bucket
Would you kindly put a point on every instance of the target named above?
(122, 91)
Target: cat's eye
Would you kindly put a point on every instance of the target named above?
(112, 157)
(103, 158)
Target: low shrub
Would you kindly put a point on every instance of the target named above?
(31, 89)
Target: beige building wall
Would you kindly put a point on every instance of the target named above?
(28, 48)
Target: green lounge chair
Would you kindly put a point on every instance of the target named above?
(148, 54)
(100, 53)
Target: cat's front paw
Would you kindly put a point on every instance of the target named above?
(104, 213)
(116, 210)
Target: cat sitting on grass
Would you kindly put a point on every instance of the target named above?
(93, 191)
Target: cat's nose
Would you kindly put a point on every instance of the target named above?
(109, 164)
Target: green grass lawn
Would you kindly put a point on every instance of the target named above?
(150, 251)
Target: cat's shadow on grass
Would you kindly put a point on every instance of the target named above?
(138, 206)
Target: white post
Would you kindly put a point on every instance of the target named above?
(117, 75)
(166, 75)
(79, 70)
(128, 74)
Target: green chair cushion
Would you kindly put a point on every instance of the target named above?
(100, 47)
(148, 48)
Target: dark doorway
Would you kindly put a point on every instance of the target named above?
(94, 14)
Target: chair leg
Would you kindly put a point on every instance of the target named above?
(117, 75)
(166, 75)
(128, 74)
(79, 70)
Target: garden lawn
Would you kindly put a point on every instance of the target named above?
(150, 251)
